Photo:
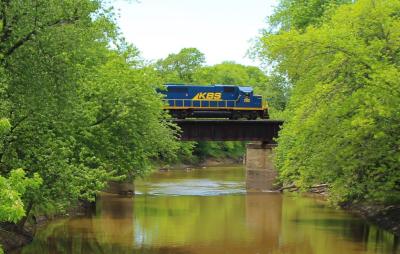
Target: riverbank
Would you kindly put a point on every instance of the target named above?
(387, 218)
(11, 239)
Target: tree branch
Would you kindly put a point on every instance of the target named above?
(22, 41)
(385, 36)
(20, 121)
(293, 186)
(102, 120)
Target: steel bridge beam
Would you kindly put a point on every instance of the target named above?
(229, 130)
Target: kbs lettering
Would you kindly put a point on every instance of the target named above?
(208, 96)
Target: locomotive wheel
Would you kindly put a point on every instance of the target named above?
(234, 116)
(181, 115)
(252, 116)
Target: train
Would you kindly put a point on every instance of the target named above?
(214, 101)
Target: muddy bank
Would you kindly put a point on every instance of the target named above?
(388, 218)
(10, 239)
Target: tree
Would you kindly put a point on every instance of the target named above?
(228, 73)
(300, 14)
(294, 16)
(179, 68)
(342, 122)
(81, 112)
(12, 188)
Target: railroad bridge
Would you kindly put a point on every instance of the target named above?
(229, 130)
(260, 172)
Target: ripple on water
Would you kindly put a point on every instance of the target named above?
(202, 187)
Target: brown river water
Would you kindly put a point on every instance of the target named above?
(208, 210)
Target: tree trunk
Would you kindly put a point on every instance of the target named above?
(23, 220)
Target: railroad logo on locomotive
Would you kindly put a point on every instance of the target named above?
(207, 96)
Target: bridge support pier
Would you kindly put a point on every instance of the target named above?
(260, 172)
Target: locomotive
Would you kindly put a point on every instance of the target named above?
(215, 101)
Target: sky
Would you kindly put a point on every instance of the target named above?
(221, 29)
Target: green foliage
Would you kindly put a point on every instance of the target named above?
(220, 150)
(342, 122)
(11, 190)
(185, 153)
(299, 14)
(124, 130)
(229, 73)
(179, 68)
(79, 112)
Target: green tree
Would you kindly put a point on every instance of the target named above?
(81, 112)
(12, 188)
(179, 68)
(229, 73)
(288, 15)
(342, 122)
(299, 14)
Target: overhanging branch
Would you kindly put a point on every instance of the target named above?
(28, 37)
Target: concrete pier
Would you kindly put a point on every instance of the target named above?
(260, 172)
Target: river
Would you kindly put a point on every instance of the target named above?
(208, 210)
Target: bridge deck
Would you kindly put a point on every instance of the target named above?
(229, 130)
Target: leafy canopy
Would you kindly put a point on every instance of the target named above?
(80, 112)
(180, 67)
(342, 123)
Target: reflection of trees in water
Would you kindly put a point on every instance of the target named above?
(396, 245)
(256, 222)
(92, 233)
(108, 228)
(308, 222)
(188, 219)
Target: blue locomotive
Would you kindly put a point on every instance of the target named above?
(215, 101)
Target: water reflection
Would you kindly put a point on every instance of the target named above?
(197, 218)
(264, 220)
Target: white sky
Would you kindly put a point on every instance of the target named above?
(221, 29)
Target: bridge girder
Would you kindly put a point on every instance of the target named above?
(229, 130)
